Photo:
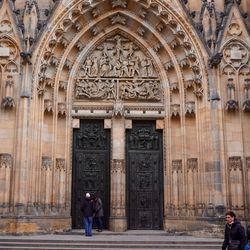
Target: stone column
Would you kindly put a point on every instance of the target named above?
(215, 168)
(118, 219)
(21, 170)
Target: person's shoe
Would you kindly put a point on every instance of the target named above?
(99, 230)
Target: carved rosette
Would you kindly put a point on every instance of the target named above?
(192, 164)
(46, 163)
(60, 164)
(176, 166)
(6, 160)
(235, 163)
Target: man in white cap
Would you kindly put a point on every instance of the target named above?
(87, 209)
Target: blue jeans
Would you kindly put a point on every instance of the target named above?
(88, 225)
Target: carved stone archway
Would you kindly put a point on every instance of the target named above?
(119, 60)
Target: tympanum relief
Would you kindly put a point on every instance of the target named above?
(117, 69)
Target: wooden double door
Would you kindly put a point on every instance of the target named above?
(144, 172)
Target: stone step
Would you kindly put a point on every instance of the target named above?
(103, 244)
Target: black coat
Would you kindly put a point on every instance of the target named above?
(235, 231)
(87, 207)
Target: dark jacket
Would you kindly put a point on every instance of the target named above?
(98, 208)
(235, 232)
(87, 207)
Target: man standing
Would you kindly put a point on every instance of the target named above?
(87, 208)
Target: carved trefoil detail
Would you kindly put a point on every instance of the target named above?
(46, 163)
(235, 163)
(60, 164)
(192, 164)
(6, 160)
(176, 166)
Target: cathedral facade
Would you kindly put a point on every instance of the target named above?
(144, 102)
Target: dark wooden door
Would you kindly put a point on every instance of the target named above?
(91, 164)
(144, 176)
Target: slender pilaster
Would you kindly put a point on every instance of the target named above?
(118, 220)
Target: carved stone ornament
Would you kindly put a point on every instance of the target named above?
(5, 27)
(248, 163)
(246, 106)
(192, 164)
(117, 69)
(48, 105)
(118, 166)
(215, 60)
(46, 163)
(61, 108)
(176, 166)
(8, 102)
(236, 54)
(232, 105)
(235, 163)
(60, 164)
(6, 160)
(8, 51)
(175, 110)
(234, 29)
(190, 108)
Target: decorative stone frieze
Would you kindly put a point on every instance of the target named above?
(176, 166)
(192, 164)
(235, 163)
(6, 160)
(60, 164)
(46, 163)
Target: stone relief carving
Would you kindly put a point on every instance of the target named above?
(6, 160)
(234, 29)
(60, 164)
(192, 164)
(8, 51)
(117, 69)
(176, 166)
(190, 108)
(248, 163)
(235, 163)
(231, 104)
(246, 103)
(175, 110)
(46, 163)
(236, 54)
(5, 27)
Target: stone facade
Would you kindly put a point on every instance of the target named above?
(184, 64)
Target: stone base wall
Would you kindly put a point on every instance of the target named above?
(195, 227)
(29, 225)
